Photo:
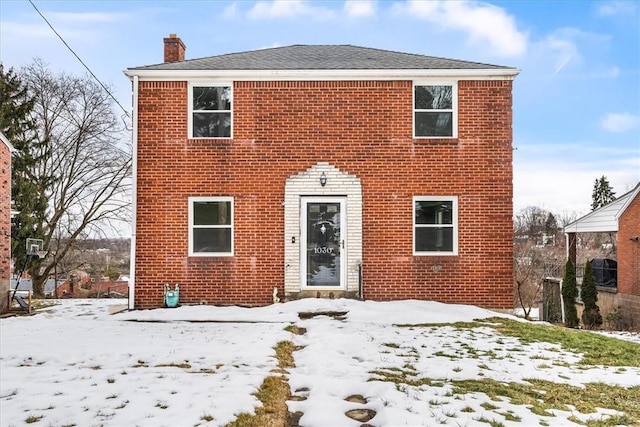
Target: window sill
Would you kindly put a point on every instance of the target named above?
(436, 141)
(210, 256)
(210, 141)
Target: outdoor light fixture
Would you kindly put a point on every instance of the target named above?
(323, 179)
(635, 238)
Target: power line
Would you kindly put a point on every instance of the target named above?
(81, 61)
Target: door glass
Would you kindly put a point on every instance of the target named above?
(323, 244)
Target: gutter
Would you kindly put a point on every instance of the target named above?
(321, 75)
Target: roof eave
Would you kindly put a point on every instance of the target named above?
(378, 74)
(6, 142)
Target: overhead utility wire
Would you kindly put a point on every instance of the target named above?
(81, 61)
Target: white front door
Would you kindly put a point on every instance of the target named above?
(322, 251)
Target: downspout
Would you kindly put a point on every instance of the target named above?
(360, 294)
(562, 302)
(134, 203)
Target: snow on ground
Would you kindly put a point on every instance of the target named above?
(75, 364)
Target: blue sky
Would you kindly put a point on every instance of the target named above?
(576, 100)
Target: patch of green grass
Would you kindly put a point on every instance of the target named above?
(597, 349)
(111, 380)
(206, 417)
(273, 394)
(183, 365)
(488, 406)
(542, 396)
(161, 405)
(467, 409)
(448, 356)
(492, 423)
(510, 416)
(296, 330)
(391, 345)
(33, 419)
(41, 304)
(284, 354)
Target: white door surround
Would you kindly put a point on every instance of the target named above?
(338, 187)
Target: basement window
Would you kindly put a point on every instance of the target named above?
(210, 226)
(435, 225)
(210, 111)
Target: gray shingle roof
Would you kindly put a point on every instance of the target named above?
(320, 57)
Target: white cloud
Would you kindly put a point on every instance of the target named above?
(359, 8)
(617, 7)
(573, 53)
(559, 176)
(482, 22)
(620, 122)
(288, 9)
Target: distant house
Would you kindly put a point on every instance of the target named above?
(328, 170)
(26, 286)
(5, 221)
(621, 216)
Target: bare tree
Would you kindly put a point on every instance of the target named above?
(537, 254)
(83, 163)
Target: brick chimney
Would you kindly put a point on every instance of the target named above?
(173, 49)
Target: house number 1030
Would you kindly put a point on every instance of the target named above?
(323, 250)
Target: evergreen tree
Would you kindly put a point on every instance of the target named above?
(16, 106)
(569, 295)
(550, 229)
(603, 193)
(591, 317)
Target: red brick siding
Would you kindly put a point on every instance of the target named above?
(362, 128)
(629, 250)
(5, 225)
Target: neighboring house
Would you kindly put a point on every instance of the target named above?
(102, 289)
(322, 171)
(5, 221)
(621, 216)
(26, 286)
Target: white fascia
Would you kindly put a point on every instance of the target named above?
(321, 75)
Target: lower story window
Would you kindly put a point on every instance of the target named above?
(210, 226)
(435, 225)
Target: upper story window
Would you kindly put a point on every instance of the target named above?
(210, 226)
(210, 111)
(435, 225)
(434, 111)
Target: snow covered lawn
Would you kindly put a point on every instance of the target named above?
(75, 364)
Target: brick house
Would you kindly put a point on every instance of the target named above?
(5, 221)
(622, 216)
(322, 170)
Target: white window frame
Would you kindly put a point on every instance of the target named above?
(453, 225)
(453, 110)
(192, 201)
(208, 83)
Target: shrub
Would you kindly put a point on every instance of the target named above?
(569, 295)
(591, 317)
